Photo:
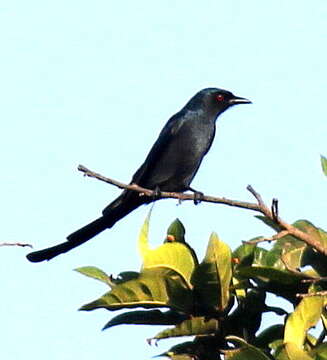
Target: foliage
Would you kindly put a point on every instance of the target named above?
(324, 164)
(220, 301)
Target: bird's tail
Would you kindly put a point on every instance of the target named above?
(82, 235)
(123, 205)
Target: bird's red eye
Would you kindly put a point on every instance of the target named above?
(220, 97)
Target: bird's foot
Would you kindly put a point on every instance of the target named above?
(198, 196)
(156, 193)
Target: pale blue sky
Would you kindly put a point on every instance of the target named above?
(93, 83)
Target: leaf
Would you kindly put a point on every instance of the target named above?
(246, 318)
(159, 287)
(267, 273)
(245, 351)
(212, 278)
(294, 257)
(259, 257)
(143, 240)
(288, 242)
(173, 255)
(124, 276)
(268, 222)
(177, 231)
(269, 335)
(324, 314)
(295, 353)
(239, 287)
(95, 273)
(318, 234)
(323, 164)
(319, 352)
(183, 351)
(202, 347)
(146, 317)
(244, 254)
(178, 357)
(305, 315)
(193, 326)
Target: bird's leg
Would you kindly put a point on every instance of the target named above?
(198, 195)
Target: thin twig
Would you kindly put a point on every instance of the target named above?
(16, 244)
(267, 239)
(317, 293)
(261, 207)
(315, 280)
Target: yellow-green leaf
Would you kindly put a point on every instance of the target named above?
(193, 326)
(158, 287)
(244, 351)
(173, 255)
(305, 315)
(95, 273)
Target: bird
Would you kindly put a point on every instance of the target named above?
(171, 164)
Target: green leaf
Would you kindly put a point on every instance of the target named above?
(289, 243)
(158, 287)
(183, 351)
(212, 278)
(305, 315)
(95, 273)
(266, 273)
(268, 222)
(319, 352)
(294, 257)
(324, 164)
(259, 257)
(146, 317)
(269, 335)
(244, 351)
(246, 318)
(173, 255)
(244, 254)
(193, 326)
(177, 231)
(317, 233)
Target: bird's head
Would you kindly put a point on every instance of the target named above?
(215, 100)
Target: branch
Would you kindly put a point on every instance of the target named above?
(260, 206)
(165, 194)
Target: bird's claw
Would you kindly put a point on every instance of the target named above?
(156, 193)
(198, 197)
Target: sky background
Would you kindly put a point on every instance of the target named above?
(93, 83)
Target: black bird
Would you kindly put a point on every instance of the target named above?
(171, 164)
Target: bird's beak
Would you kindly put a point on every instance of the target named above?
(239, 100)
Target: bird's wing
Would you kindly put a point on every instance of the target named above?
(166, 135)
